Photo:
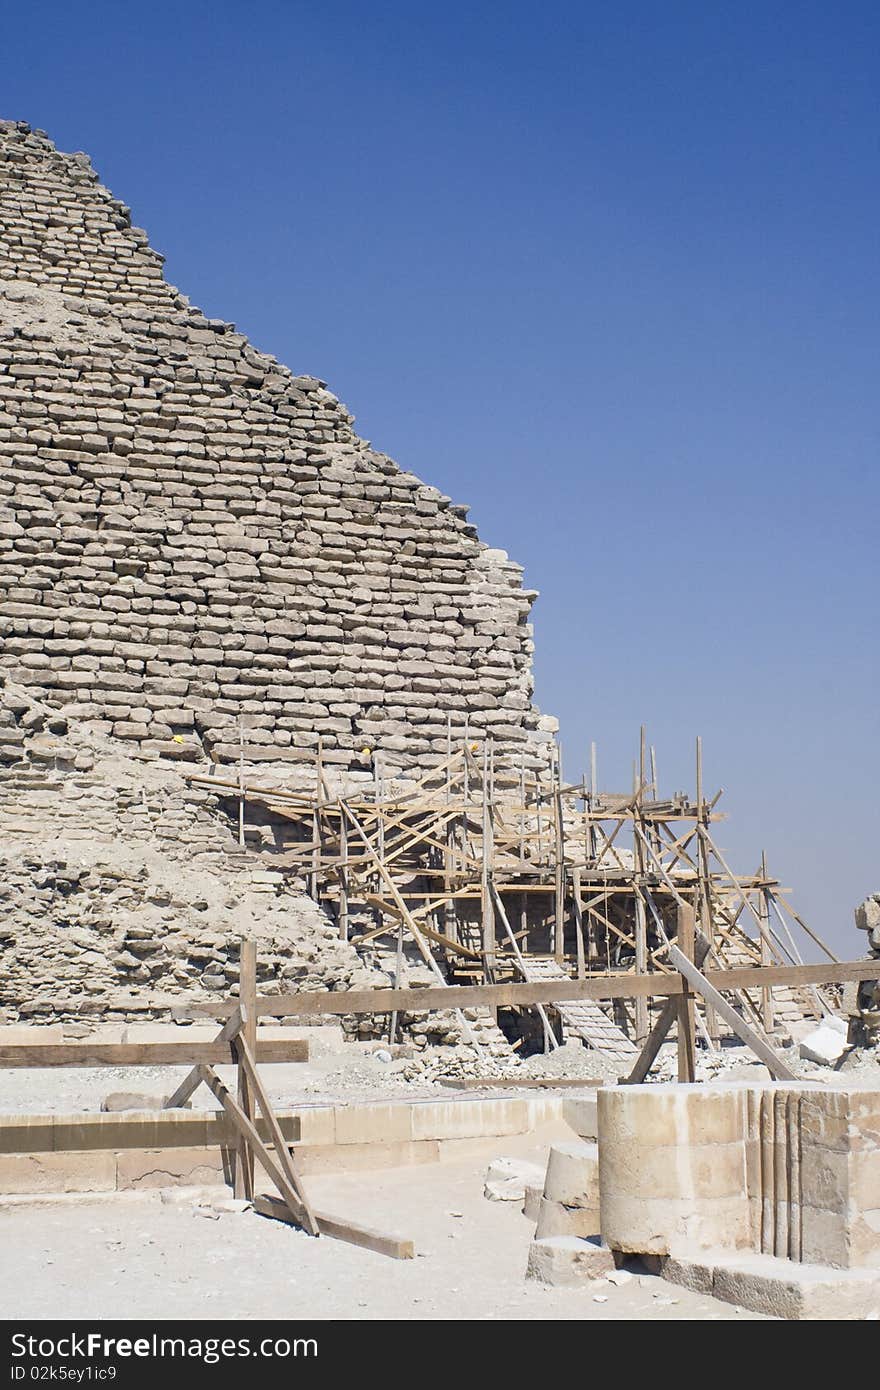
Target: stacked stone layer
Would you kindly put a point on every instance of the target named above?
(192, 538)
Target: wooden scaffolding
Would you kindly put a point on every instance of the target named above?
(493, 873)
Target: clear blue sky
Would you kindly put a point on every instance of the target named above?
(605, 271)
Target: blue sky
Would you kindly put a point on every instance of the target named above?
(606, 272)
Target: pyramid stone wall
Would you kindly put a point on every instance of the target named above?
(192, 537)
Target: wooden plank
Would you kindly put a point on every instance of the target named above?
(247, 1130)
(281, 1151)
(619, 986)
(192, 1082)
(685, 1004)
(658, 1033)
(759, 1045)
(247, 999)
(84, 1054)
(507, 1083)
(396, 1247)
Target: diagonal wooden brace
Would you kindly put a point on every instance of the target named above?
(191, 1083)
(668, 1014)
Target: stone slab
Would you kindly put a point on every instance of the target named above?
(779, 1288)
(563, 1260)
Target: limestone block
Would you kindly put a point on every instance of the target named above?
(824, 1045)
(506, 1179)
(373, 1124)
(466, 1119)
(317, 1124)
(567, 1260)
(557, 1219)
(355, 1158)
(57, 1172)
(130, 1100)
(672, 1168)
(532, 1198)
(573, 1174)
(581, 1113)
(777, 1287)
(148, 1168)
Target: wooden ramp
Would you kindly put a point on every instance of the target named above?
(582, 1016)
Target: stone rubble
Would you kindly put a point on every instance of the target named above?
(861, 1001)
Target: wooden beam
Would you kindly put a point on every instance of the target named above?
(619, 986)
(282, 1153)
(759, 1045)
(247, 1130)
(658, 1033)
(685, 1003)
(396, 1247)
(247, 998)
(159, 1054)
(192, 1082)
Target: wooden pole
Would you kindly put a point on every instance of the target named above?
(686, 1041)
(241, 797)
(766, 958)
(657, 1036)
(487, 905)
(559, 866)
(247, 994)
(779, 1069)
(578, 921)
(343, 879)
(704, 906)
(641, 924)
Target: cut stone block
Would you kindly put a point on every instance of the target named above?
(131, 1100)
(581, 1112)
(532, 1200)
(573, 1174)
(568, 1260)
(195, 1167)
(556, 1219)
(825, 1045)
(507, 1179)
(780, 1288)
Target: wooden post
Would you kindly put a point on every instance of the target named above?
(398, 973)
(685, 936)
(579, 921)
(641, 922)
(487, 905)
(378, 914)
(704, 905)
(766, 958)
(450, 920)
(343, 879)
(241, 782)
(247, 995)
(317, 823)
(559, 866)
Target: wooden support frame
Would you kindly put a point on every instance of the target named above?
(431, 851)
(778, 1068)
(310, 1003)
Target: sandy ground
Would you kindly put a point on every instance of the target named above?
(139, 1257)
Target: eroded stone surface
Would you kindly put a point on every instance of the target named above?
(191, 535)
